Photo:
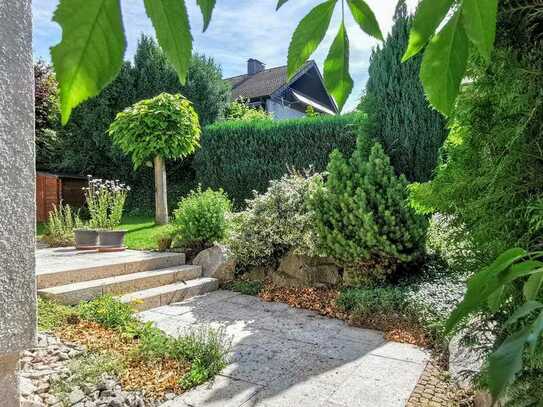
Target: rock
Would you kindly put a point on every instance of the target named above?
(116, 402)
(26, 388)
(29, 403)
(259, 273)
(76, 396)
(51, 400)
(304, 271)
(170, 396)
(216, 263)
(107, 384)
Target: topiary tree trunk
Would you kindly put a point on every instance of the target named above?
(161, 193)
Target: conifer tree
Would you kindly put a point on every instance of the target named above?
(399, 116)
(362, 217)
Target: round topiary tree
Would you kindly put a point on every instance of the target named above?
(164, 127)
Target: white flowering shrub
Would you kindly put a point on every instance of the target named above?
(275, 222)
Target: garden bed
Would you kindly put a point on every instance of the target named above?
(141, 358)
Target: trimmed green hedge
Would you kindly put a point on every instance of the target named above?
(240, 157)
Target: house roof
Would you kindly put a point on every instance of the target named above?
(260, 84)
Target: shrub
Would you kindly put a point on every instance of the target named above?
(275, 222)
(362, 217)
(60, 226)
(107, 311)
(241, 110)
(244, 156)
(245, 287)
(200, 219)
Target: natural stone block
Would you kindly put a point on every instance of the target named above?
(216, 263)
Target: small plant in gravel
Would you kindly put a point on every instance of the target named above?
(86, 372)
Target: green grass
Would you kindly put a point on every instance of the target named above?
(245, 287)
(142, 232)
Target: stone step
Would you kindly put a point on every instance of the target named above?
(167, 294)
(74, 293)
(57, 267)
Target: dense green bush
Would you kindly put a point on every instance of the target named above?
(244, 156)
(399, 116)
(362, 217)
(275, 222)
(107, 311)
(489, 181)
(201, 218)
(240, 109)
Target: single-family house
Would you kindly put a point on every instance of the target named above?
(272, 90)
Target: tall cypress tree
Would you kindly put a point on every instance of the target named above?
(399, 116)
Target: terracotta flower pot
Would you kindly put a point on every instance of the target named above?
(111, 240)
(86, 239)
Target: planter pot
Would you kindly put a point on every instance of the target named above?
(111, 240)
(86, 239)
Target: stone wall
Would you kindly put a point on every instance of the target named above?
(17, 202)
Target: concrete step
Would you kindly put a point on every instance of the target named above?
(57, 267)
(167, 294)
(87, 290)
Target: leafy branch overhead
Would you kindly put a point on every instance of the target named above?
(87, 59)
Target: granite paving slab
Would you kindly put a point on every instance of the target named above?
(283, 356)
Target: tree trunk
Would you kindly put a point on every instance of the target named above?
(161, 195)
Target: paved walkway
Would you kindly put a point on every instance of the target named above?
(288, 357)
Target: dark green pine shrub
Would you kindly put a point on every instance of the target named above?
(399, 116)
(243, 156)
(362, 216)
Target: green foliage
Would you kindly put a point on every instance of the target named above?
(87, 149)
(245, 287)
(200, 219)
(275, 222)
(490, 174)
(107, 311)
(81, 36)
(399, 116)
(172, 27)
(336, 68)
(207, 349)
(439, 61)
(240, 109)
(90, 54)
(52, 314)
(46, 110)
(165, 126)
(488, 290)
(61, 222)
(244, 156)
(421, 302)
(362, 216)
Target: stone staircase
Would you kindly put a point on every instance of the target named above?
(144, 279)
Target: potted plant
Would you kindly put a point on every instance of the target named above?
(105, 201)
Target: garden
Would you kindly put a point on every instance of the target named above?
(393, 217)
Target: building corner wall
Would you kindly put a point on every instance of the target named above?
(17, 193)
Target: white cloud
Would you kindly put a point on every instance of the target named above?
(240, 29)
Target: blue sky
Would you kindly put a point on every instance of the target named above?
(240, 29)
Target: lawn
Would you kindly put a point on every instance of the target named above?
(142, 232)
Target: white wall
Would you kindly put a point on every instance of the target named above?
(281, 112)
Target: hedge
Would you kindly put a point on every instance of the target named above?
(240, 157)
